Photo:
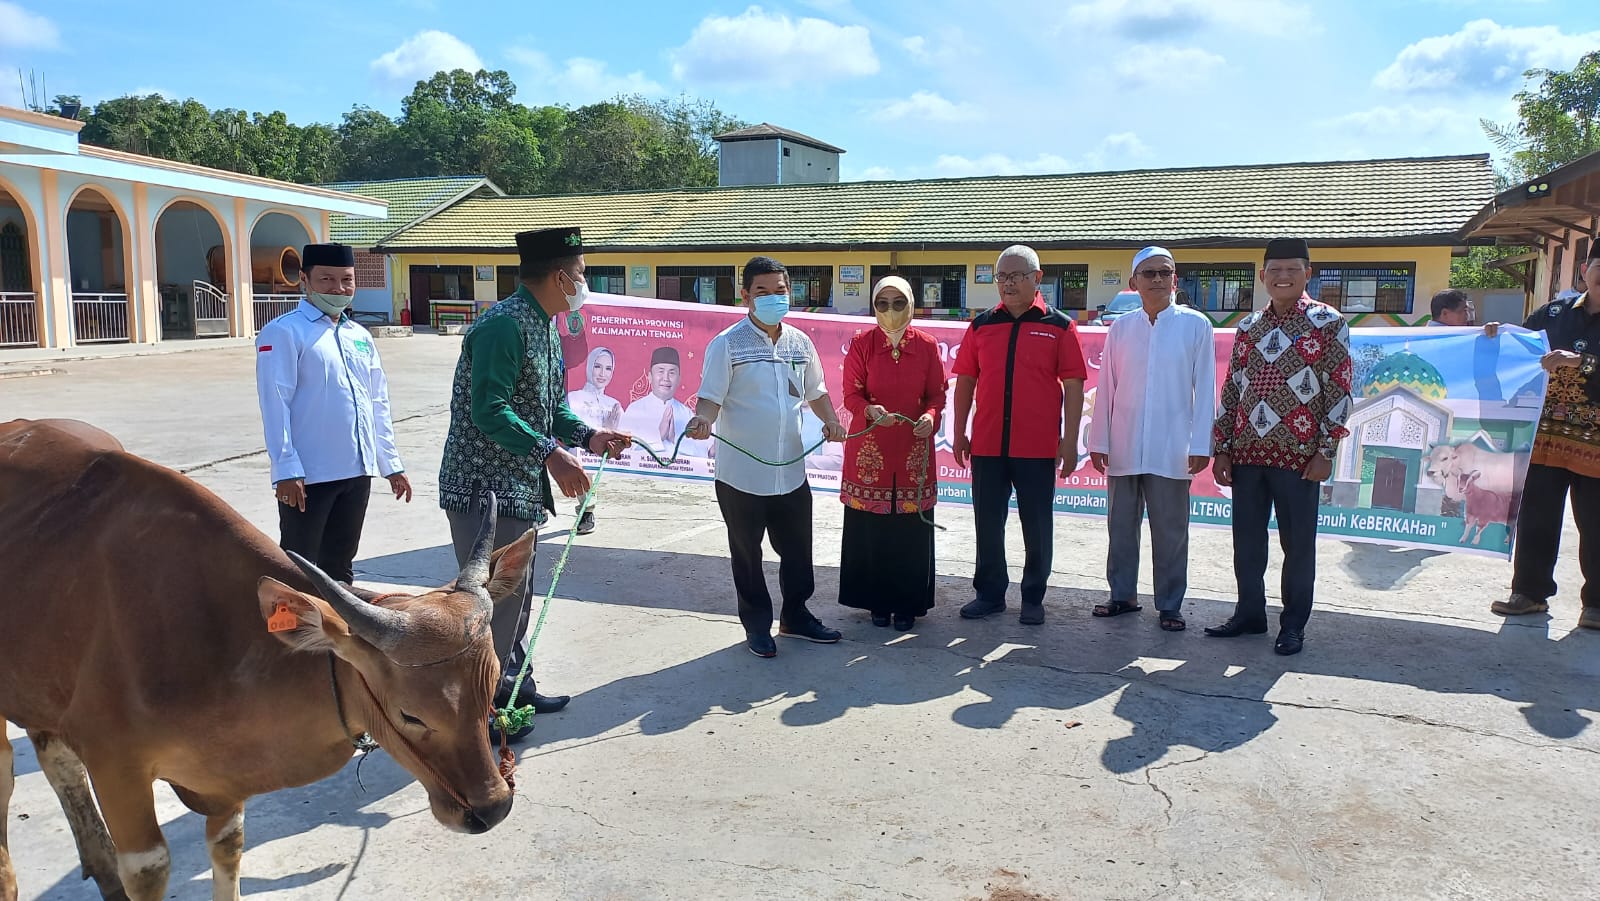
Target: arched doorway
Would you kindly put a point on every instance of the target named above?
(97, 242)
(19, 301)
(192, 266)
(275, 244)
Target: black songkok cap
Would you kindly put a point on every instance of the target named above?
(337, 255)
(1288, 249)
(548, 244)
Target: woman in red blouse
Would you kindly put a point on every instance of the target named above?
(890, 479)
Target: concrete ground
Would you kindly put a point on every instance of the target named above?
(1421, 747)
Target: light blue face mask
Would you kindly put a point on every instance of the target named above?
(771, 308)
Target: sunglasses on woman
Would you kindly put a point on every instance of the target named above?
(884, 306)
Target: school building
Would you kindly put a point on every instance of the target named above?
(1382, 233)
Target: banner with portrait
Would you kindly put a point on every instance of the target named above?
(1440, 431)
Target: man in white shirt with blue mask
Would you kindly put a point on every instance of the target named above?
(757, 375)
(1151, 433)
(325, 412)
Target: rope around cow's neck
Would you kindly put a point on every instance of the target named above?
(511, 718)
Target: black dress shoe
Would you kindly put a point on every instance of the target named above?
(761, 645)
(903, 622)
(811, 629)
(511, 739)
(881, 620)
(1234, 628)
(978, 608)
(549, 703)
(1289, 642)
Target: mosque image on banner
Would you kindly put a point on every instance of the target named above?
(1440, 429)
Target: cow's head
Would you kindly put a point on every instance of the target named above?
(427, 666)
(1443, 463)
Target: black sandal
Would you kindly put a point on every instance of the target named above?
(1172, 622)
(1116, 608)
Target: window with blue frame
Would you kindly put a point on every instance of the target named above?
(1216, 287)
(1365, 287)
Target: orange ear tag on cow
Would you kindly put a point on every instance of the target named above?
(282, 619)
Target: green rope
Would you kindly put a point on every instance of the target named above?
(511, 719)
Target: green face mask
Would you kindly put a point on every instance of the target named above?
(332, 304)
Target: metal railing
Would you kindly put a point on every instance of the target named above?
(270, 306)
(99, 318)
(210, 309)
(19, 319)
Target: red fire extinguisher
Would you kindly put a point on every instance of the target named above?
(405, 315)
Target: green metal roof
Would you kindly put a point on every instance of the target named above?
(1418, 201)
(409, 199)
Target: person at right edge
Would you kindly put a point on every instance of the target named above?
(1566, 456)
(1022, 362)
(1284, 408)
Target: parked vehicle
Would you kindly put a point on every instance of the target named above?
(1124, 303)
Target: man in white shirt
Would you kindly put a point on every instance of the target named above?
(757, 375)
(659, 417)
(325, 412)
(1151, 433)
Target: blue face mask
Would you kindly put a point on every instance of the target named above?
(771, 308)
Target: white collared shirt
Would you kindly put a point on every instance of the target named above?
(1157, 394)
(761, 385)
(324, 399)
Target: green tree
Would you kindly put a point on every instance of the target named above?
(453, 123)
(1557, 121)
(1472, 270)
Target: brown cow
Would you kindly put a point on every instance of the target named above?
(134, 646)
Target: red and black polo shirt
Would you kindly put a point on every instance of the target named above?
(1019, 362)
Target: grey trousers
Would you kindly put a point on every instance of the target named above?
(511, 618)
(1168, 502)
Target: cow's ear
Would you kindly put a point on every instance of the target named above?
(508, 567)
(303, 622)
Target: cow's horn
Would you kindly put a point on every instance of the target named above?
(380, 627)
(475, 575)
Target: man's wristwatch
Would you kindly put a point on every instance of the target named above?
(1326, 453)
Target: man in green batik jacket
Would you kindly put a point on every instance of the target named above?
(508, 409)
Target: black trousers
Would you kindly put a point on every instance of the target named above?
(511, 619)
(329, 532)
(993, 480)
(1539, 521)
(1257, 491)
(786, 520)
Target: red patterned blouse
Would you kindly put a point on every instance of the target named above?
(884, 468)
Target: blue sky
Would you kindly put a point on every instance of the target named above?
(911, 88)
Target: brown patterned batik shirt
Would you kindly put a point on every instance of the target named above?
(1287, 395)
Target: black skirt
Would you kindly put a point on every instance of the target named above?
(887, 562)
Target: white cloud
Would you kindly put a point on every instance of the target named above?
(1483, 55)
(874, 173)
(20, 28)
(927, 106)
(760, 47)
(1143, 20)
(423, 54)
(1145, 64)
(1123, 150)
(916, 47)
(578, 80)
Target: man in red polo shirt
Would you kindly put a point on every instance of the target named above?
(1023, 362)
